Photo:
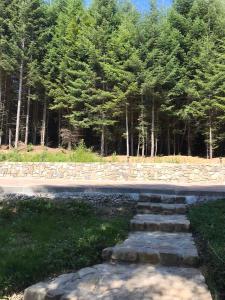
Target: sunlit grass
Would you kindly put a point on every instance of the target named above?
(41, 239)
(80, 154)
(208, 222)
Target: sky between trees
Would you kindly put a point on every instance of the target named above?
(143, 5)
(123, 82)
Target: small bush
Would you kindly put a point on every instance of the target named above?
(30, 148)
(82, 154)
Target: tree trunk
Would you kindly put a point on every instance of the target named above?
(210, 141)
(10, 138)
(46, 127)
(138, 148)
(189, 139)
(132, 133)
(69, 147)
(59, 128)
(207, 150)
(127, 132)
(146, 143)
(143, 137)
(156, 147)
(103, 141)
(156, 133)
(35, 127)
(143, 145)
(174, 144)
(43, 126)
(27, 118)
(19, 105)
(153, 129)
(7, 110)
(19, 99)
(1, 110)
(168, 141)
(0, 87)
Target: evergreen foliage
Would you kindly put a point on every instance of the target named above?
(123, 82)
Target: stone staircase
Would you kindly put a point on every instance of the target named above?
(158, 261)
(151, 222)
(161, 208)
(160, 236)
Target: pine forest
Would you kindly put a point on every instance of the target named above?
(121, 81)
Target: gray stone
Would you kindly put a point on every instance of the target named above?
(107, 253)
(165, 223)
(171, 248)
(125, 254)
(139, 172)
(130, 282)
(161, 208)
(162, 199)
(54, 294)
(36, 292)
(85, 272)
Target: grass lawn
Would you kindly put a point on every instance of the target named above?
(40, 239)
(208, 222)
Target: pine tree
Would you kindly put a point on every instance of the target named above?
(204, 105)
(26, 17)
(7, 61)
(124, 51)
(103, 100)
(151, 86)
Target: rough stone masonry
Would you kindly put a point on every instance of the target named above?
(136, 172)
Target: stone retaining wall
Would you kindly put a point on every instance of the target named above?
(139, 172)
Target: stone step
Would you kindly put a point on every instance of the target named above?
(161, 208)
(162, 199)
(170, 223)
(169, 249)
(119, 281)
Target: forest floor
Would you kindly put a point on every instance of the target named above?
(38, 153)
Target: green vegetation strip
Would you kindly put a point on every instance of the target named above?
(208, 222)
(79, 154)
(40, 239)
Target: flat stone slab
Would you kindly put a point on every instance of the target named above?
(161, 208)
(123, 282)
(165, 223)
(170, 249)
(162, 199)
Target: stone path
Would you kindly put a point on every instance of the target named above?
(158, 261)
(32, 186)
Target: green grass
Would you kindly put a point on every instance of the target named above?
(41, 239)
(208, 222)
(79, 154)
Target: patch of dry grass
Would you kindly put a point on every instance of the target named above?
(59, 154)
(179, 159)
